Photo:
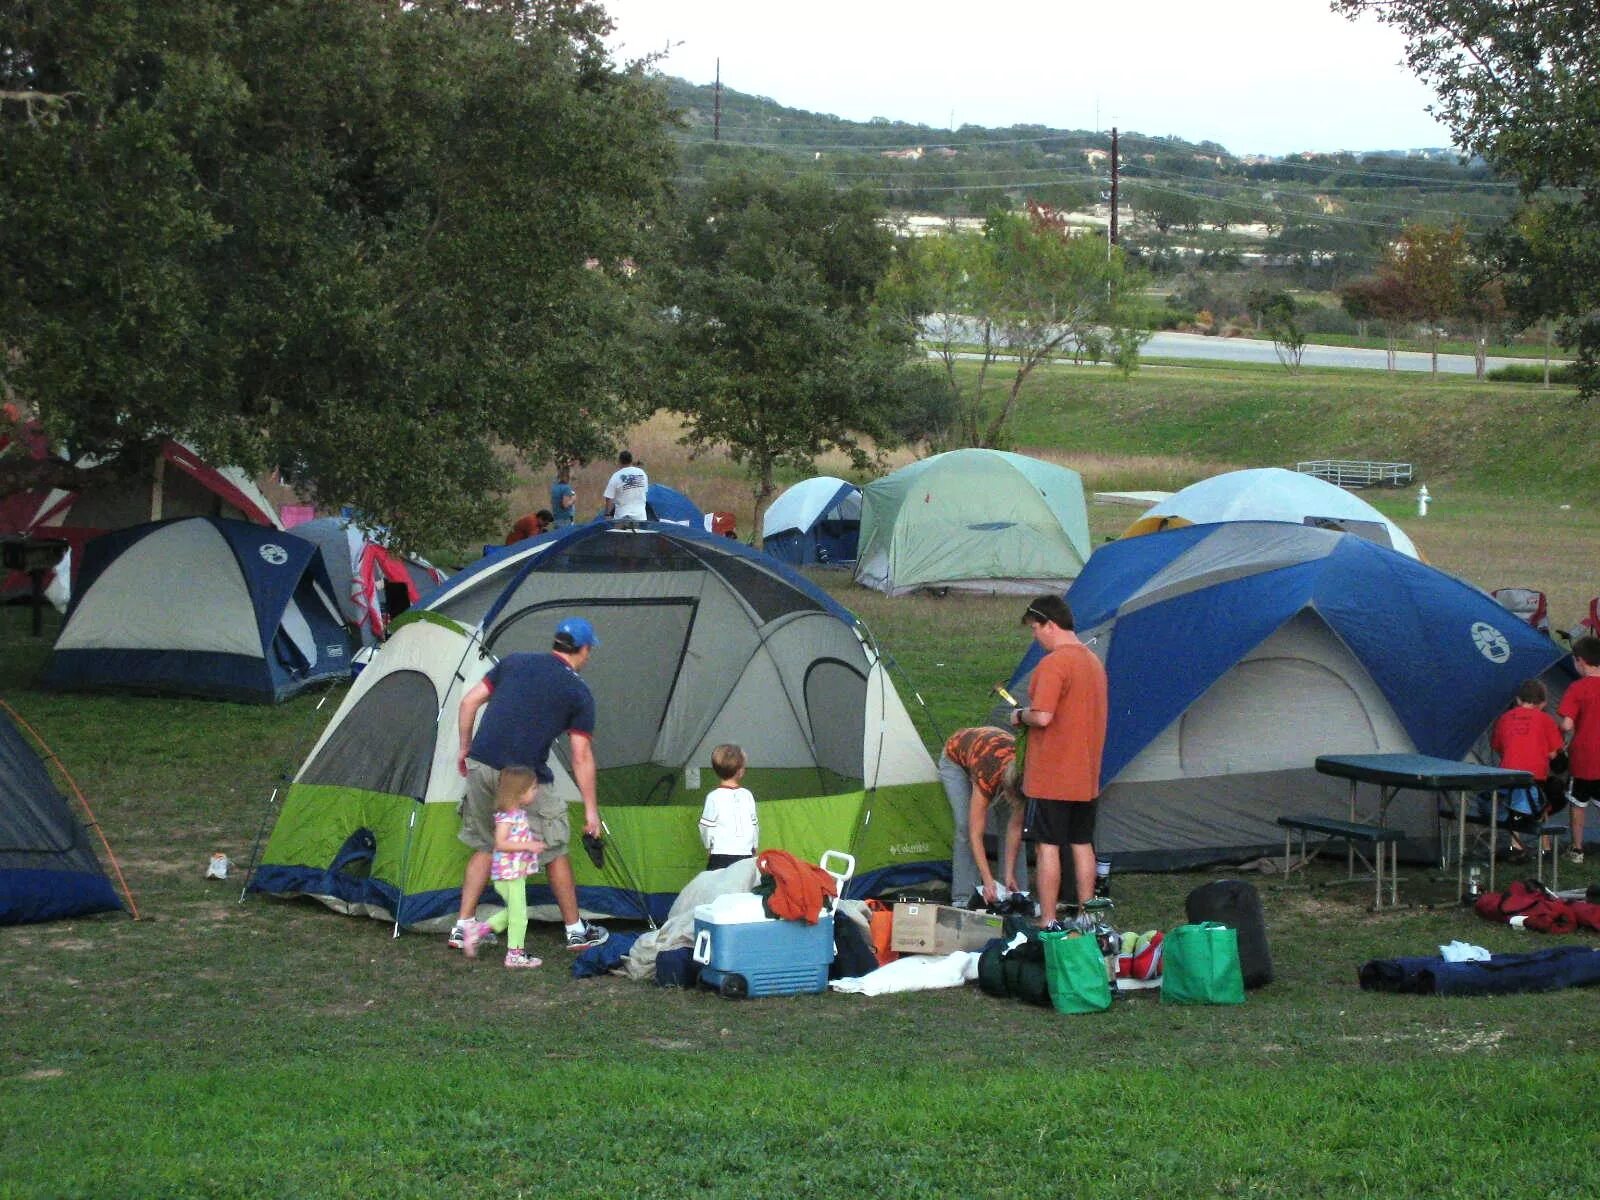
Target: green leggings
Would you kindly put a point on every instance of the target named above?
(515, 914)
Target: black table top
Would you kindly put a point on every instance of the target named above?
(1420, 771)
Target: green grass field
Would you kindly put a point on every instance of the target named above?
(220, 1049)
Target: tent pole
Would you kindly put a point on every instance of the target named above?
(405, 864)
(255, 851)
(629, 879)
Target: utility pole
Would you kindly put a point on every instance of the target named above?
(1113, 185)
(716, 106)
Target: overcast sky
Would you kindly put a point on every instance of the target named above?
(1258, 76)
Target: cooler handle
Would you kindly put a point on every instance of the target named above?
(702, 947)
(840, 877)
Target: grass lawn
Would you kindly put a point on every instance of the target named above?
(266, 1048)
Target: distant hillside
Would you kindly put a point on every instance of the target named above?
(1182, 201)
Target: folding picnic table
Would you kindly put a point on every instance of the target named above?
(1422, 772)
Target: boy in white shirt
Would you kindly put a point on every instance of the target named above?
(728, 826)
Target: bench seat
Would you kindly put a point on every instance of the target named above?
(1385, 841)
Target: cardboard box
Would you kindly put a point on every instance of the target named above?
(941, 929)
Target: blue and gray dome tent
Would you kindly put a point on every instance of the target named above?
(815, 521)
(1236, 653)
(201, 606)
(47, 868)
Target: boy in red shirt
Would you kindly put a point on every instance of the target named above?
(1526, 738)
(1580, 716)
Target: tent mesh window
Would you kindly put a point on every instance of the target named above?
(645, 642)
(363, 751)
(620, 551)
(770, 596)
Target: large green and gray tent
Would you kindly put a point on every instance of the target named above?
(703, 641)
(973, 520)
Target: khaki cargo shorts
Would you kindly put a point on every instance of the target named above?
(547, 816)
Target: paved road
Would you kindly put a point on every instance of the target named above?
(1252, 350)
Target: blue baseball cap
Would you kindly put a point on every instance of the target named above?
(576, 633)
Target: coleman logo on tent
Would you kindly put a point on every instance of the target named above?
(274, 553)
(1491, 643)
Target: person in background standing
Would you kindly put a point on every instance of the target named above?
(563, 498)
(625, 492)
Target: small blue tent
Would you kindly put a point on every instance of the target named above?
(815, 521)
(1236, 653)
(47, 868)
(201, 606)
(662, 503)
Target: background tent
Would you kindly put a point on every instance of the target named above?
(47, 868)
(1237, 653)
(974, 520)
(703, 641)
(1273, 494)
(662, 503)
(372, 583)
(201, 607)
(175, 482)
(815, 521)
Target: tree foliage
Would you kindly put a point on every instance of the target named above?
(774, 344)
(374, 244)
(1519, 83)
(1023, 290)
(1279, 317)
(1431, 264)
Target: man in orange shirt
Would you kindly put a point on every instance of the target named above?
(1066, 721)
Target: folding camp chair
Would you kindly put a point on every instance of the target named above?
(1527, 603)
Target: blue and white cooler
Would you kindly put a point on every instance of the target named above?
(743, 952)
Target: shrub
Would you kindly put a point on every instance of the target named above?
(1534, 373)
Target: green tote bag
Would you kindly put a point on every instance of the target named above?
(1200, 965)
(1076, 972)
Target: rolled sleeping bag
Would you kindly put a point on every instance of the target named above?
(1236, 904)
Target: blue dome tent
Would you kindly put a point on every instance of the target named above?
(48, 870)
(1237, 653)
(815, 521)
(201, 606)
(662, 503)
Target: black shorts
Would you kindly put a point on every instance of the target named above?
(1061, 822)
(1583, 791)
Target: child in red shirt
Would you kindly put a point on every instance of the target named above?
(1526, 738)
(1580, 716)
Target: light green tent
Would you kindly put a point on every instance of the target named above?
(702, 641)
(973, 520)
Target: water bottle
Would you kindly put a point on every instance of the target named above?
(1102, 878)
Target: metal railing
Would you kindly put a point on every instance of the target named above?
(1357, 473)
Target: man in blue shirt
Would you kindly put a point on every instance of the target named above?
(563, 499)
(529, 700)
